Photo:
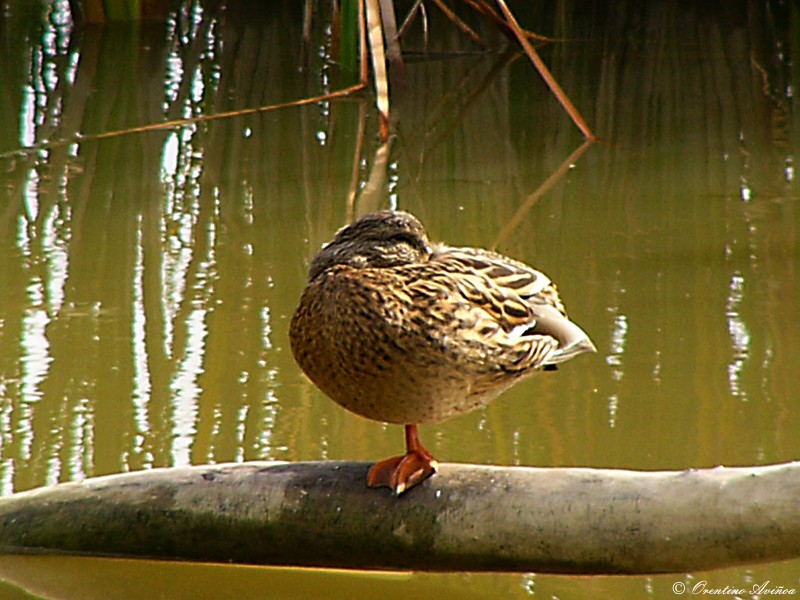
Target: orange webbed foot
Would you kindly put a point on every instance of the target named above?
(400, 473)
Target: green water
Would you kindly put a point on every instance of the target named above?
(147, 279)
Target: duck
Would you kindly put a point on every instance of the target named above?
(401, 330)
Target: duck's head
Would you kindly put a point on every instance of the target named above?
(377, 240)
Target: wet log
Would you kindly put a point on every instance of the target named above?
(466, 518)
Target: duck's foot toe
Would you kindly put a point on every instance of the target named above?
(401, 473)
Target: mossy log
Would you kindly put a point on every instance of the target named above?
(466, 518)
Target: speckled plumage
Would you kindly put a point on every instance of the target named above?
(400, 330)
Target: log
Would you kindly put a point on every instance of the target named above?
(466, 518)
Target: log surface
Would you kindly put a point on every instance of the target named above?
(466, 518)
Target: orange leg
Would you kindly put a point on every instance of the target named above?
(403, 472)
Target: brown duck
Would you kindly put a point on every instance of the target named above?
(400, 330)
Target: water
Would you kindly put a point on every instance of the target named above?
(148, 278)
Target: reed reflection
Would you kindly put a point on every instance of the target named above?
(112, 292)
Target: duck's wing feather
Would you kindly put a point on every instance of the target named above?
(509, 307)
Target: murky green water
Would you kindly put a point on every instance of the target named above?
(147, 279)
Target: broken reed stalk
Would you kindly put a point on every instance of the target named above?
(551, 82)
(375, 34)
(393, 52)
(487, 11)
(343, 93)
(417, 7)
(458, 22)
(362, 44)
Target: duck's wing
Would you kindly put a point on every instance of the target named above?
(510, 307)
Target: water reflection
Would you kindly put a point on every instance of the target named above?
(147, 279)
(614, 358)
(740, 336)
